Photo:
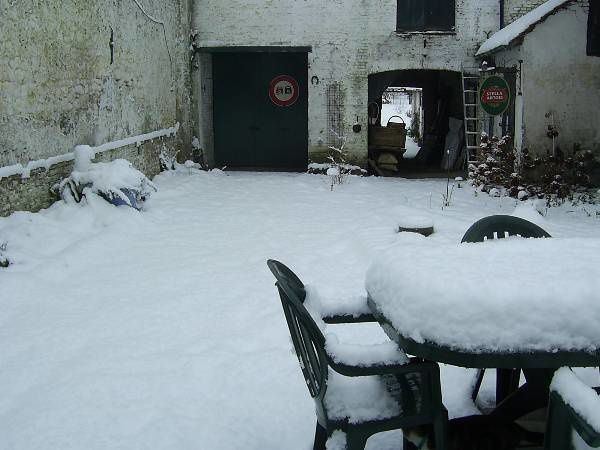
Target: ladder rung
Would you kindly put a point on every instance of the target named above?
(472, 91)
(471, 132)
(471, 118)
(470, 104)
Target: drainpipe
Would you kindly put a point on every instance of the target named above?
(501, 14)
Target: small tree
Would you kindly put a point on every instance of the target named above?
(338, 165)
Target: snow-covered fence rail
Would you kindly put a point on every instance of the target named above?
(25, 170)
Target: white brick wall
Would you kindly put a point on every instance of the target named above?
(350, 40)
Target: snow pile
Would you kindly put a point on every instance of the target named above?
(506, 35)
(499, 295)
(112, 180)
(575, 393)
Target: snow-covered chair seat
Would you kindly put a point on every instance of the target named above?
(386, 390)
(573, 414)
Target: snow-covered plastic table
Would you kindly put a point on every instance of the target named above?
(511, 303)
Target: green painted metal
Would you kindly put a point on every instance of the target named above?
(416, 385)
(251, 131)
(562, 421)
(496, 226)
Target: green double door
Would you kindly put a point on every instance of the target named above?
(260, 110)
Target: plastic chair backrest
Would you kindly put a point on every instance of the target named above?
(499, 226)
(308, 340)
(284, 273)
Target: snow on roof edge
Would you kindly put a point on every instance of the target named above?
(520, 27)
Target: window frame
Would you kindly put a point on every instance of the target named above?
(593, 29)
(425, 22)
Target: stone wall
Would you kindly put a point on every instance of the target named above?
(88, 72)
(350, 40)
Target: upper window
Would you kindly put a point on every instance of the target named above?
(593, 37)
(425, 15)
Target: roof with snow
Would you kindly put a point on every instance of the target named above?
(523, 25)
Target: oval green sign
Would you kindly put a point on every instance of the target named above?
(494, 95)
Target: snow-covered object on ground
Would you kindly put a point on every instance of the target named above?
(579, 396)
(111, 180)
(522, 25)
(415, 222)
(499, 295)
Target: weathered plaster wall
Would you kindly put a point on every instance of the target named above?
(60, 86)
(350, 39)
(559, 82)
(513, 9)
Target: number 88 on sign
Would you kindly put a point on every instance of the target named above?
(283, 90)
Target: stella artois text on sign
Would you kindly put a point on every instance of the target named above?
(494, 95)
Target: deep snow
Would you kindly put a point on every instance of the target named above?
(163, 329)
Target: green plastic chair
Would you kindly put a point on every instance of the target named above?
(413, 384)
(563, 420)
(499, 227)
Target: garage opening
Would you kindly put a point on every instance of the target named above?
(416, 122)
(260, 109)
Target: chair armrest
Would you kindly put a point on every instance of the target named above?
(346, 310)
(349, 318)
(360, 360)
(571, 402)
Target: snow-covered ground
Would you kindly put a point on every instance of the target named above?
(163, 329)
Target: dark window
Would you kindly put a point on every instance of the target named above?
(425, 15)
(593, 38)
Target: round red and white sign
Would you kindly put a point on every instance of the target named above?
(283, 90)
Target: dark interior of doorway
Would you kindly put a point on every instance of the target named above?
(439, 97)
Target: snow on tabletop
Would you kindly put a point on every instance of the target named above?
(358, 399)
(506, 35)
(501, 295)
(579, 396)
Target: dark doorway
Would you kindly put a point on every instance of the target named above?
(433, 117)
(261, 109)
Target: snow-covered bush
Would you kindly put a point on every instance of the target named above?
(4, 262)
(117, 181)
(553, 178)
